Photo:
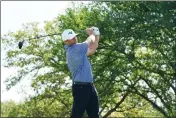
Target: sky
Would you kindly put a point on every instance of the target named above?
(13, 15)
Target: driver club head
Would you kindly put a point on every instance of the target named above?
(20, 44)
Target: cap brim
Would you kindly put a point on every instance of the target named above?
(74, 36)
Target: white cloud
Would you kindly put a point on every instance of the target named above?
(15, 13)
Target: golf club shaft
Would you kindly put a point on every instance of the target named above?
(53, 34)
(20, 44)
(43, 36)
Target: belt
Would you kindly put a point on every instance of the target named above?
(83, 83)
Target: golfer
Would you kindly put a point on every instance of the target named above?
(84, 93)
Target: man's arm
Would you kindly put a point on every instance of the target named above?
(92, 44)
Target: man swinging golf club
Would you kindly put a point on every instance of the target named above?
(83, 91)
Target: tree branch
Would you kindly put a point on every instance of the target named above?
(151, 102)
(157, 93)
(116, 106)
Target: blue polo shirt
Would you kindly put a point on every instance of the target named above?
(78, 63)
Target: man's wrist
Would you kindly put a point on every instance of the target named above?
(97, 37)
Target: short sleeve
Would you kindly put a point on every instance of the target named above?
(82, 47)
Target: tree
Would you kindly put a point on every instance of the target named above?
(135, 60)
(7, 107)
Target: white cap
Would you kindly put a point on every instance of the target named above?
(68, 34)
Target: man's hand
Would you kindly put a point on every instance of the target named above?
(94, 34)
(95, 30)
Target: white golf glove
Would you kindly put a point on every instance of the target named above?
(95, 31)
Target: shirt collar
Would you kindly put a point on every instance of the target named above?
(66, 47)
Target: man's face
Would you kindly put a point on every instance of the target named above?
(76, 40)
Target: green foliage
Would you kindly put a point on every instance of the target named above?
(7, 107)
(134, 66)
(35, 107)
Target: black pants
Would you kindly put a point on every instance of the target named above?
(84, 98)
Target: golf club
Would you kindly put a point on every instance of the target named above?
(20, 44)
